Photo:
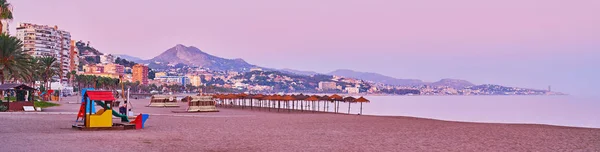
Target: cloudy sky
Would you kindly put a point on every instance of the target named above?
(527, 43)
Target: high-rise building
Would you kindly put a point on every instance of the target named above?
(140, 74)
(74, 57)
(44, 40)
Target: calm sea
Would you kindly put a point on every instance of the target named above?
(553, 110)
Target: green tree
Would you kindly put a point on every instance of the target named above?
(151, 74)
(15, 64)
(49, 67)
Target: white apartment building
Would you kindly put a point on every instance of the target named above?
(352, 90)
(44, 40)
(324, 86)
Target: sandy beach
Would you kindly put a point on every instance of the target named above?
(251, 130)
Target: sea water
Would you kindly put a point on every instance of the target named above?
(552, 110)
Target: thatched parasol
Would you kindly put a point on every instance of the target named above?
(361, 100)
(287, 99)
(349, 100)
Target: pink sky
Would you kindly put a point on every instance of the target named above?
(530, 43)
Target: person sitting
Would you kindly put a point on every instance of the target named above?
(122, 110)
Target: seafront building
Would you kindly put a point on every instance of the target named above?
(324, 86)
(140, 74)
(44, 40)
(352, 90)
(170, 80)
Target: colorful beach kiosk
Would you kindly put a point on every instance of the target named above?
(163, 101)
(103, 118)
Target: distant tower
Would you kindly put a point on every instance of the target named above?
(549, 88)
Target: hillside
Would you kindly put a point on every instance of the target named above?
(128, 57)
(375, 77)
(298, 72)
(192, 56)
(453, 83)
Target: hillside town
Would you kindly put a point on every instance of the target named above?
(81, 58)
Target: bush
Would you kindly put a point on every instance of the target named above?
(3, 108)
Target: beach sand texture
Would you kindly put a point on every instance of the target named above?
(246, 130)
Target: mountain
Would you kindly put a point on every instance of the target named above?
(192, 56)
(375, 77)
(453, 83)
(298, 72)
(128, 57)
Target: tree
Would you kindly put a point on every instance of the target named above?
(15, 64)
(5, 12)
(151, 74)
(49, 67)
(71, 75)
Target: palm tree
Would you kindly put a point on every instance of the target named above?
(49, 68)
(5, 12)
(15, 64)
(72, 76)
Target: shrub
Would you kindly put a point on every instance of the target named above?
(3, 108)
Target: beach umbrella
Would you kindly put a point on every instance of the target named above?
(288, 98)
(337, 99)
(277, 98)
(313, 98)
(243, 97)
(361, 100)
(257, 97)
(325, 98)
(301, 97)
(267, 98)
(231, 97)
(349, 100)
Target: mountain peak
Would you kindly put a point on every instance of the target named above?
(180, 47)
(192, 56)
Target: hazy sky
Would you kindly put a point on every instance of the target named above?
(527, 43)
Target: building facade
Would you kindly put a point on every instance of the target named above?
(160, 74)
(140, 74)
(324, 85)
(114, 68)
(43, 41)
(74, 57)
(179, 80)
(196, 80)
(352, 90)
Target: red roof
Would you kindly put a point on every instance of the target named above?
(100, 95)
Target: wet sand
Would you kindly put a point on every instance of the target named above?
(235, 129)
